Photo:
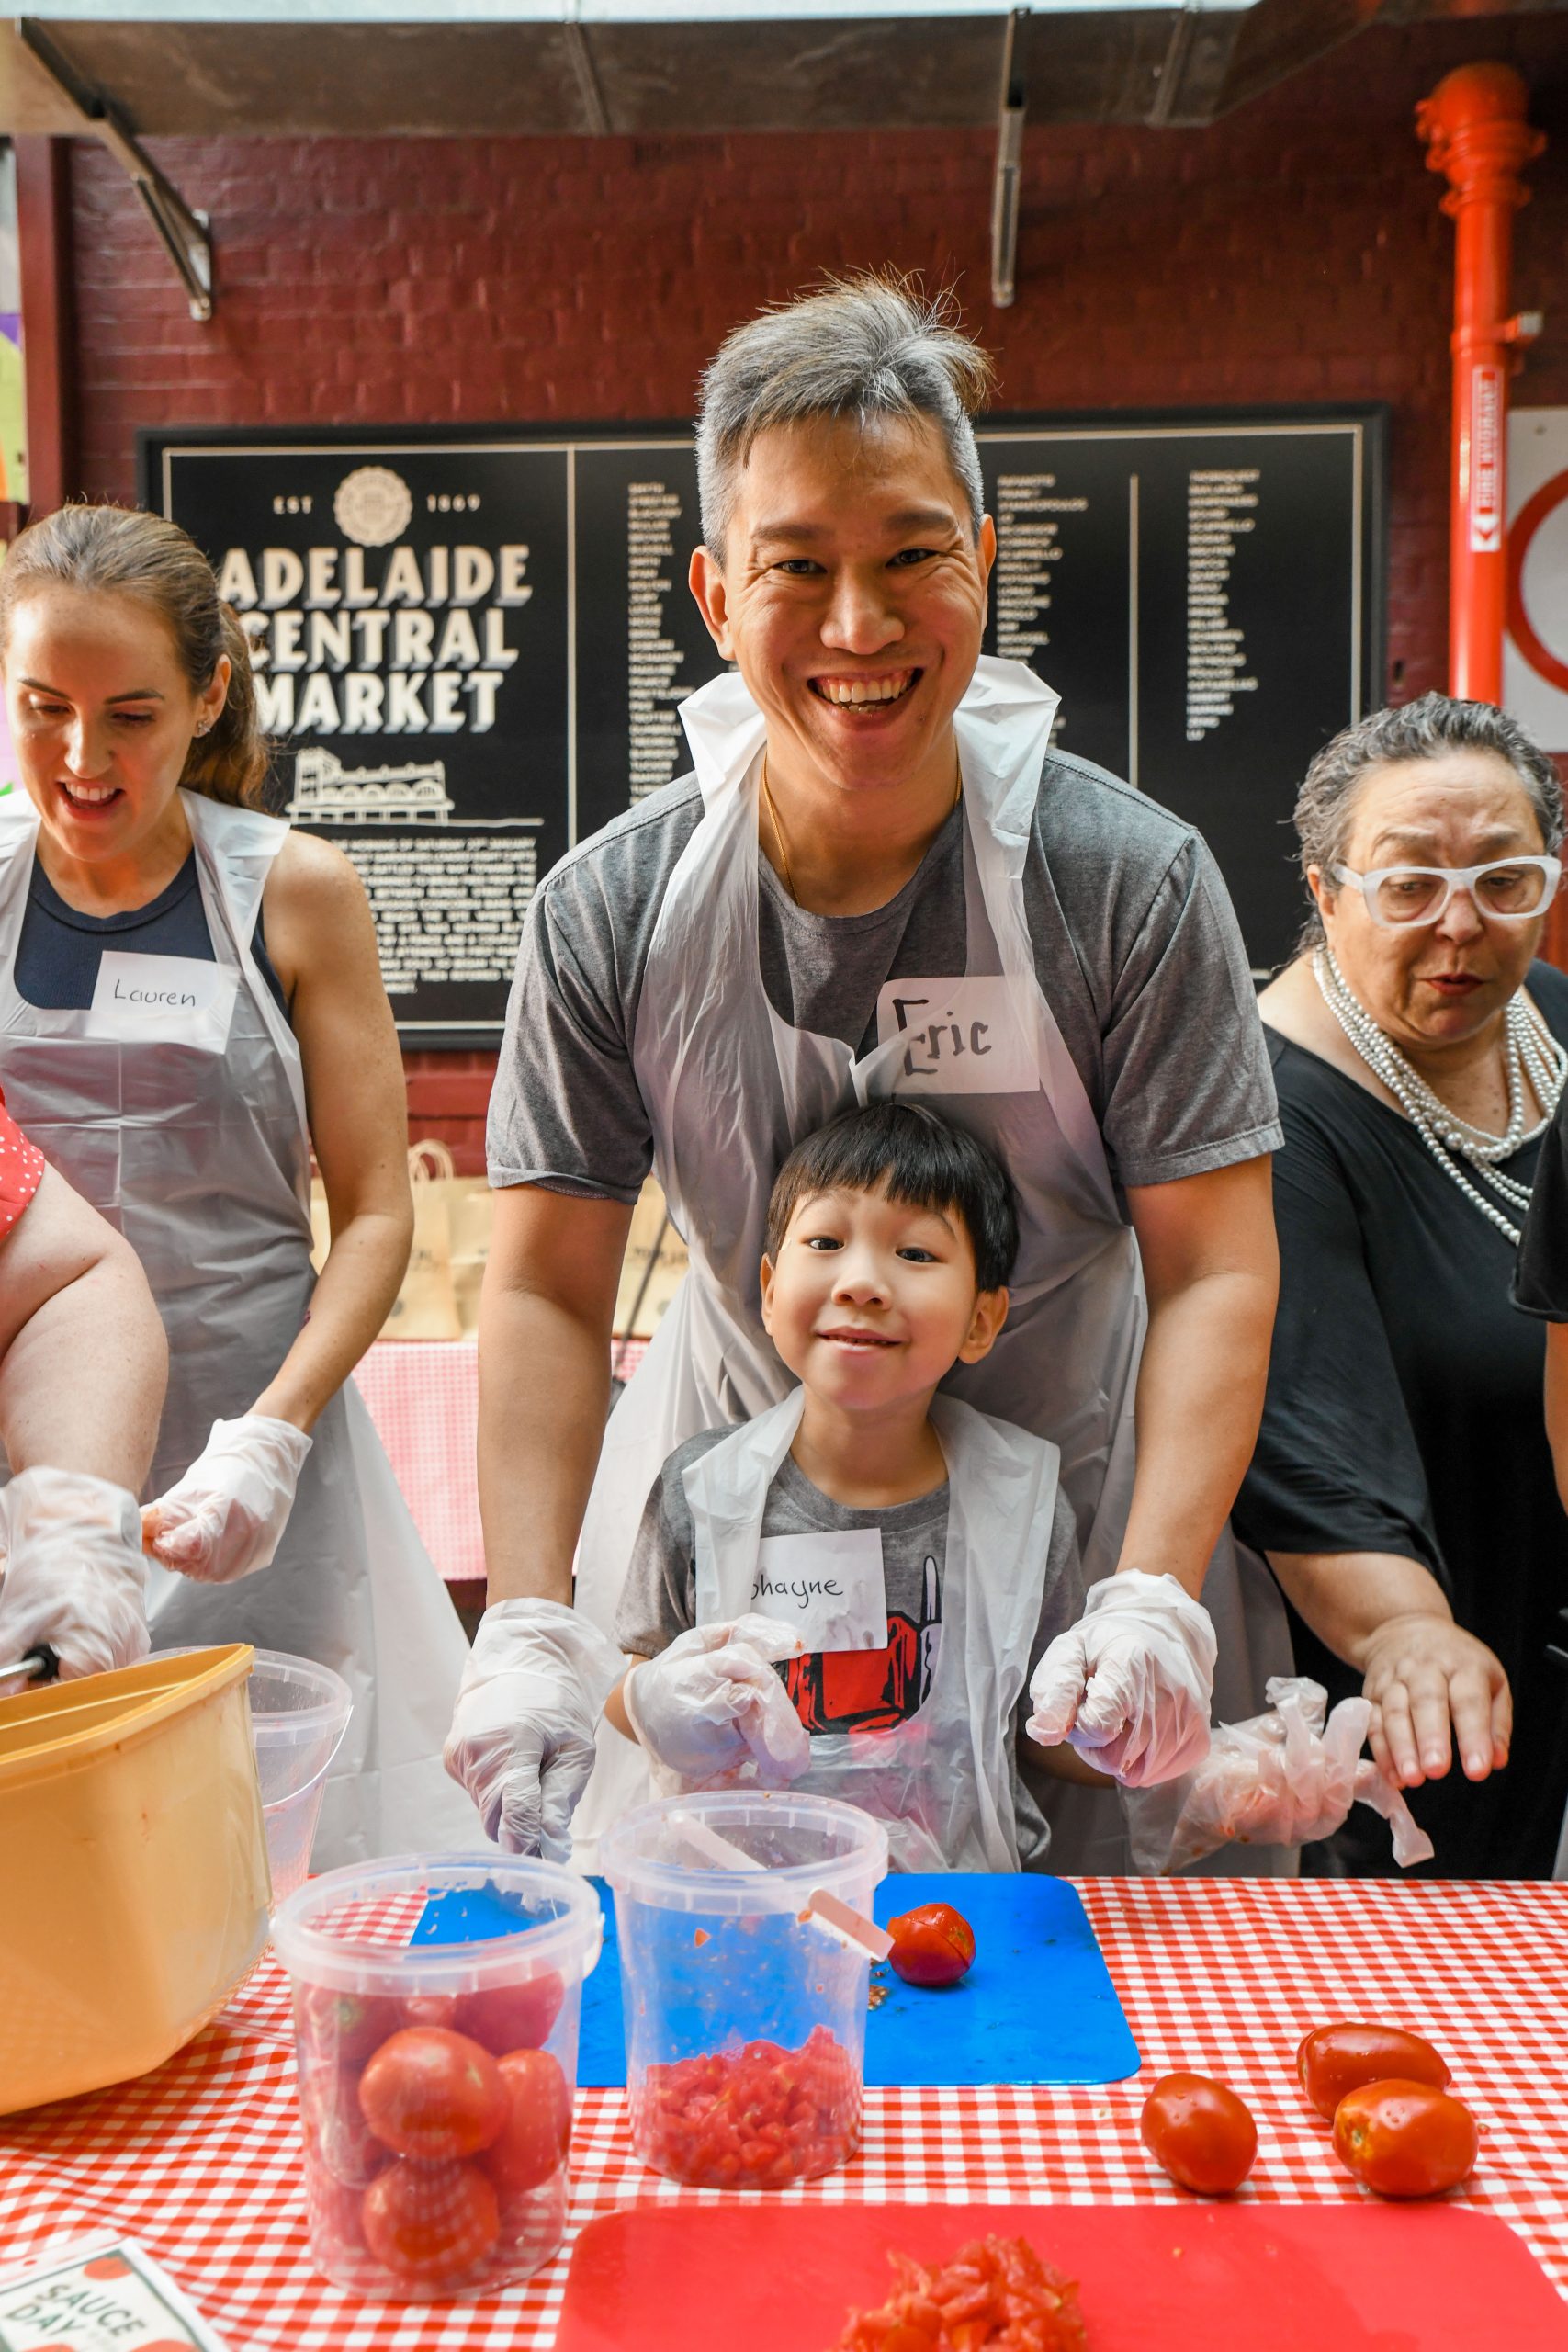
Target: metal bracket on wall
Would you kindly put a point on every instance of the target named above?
(589, 87)
(184, 233)
(1008, 171)
(1166, 97)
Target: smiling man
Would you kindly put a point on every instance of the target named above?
(879, 879)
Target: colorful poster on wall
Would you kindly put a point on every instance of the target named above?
(13, 398)
(1535, 650)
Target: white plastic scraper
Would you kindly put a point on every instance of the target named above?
(823, 1910)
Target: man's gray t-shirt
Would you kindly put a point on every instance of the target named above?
(844, 1690)
(1135, 944)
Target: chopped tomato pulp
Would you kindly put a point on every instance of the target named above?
(994, 2295)
(756, 2118)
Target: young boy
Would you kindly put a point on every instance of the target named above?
(901, 1560)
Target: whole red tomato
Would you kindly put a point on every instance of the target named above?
(537, 2132)
(1405, 2139)
(931, 1946)
(1340, 2058)
(512, 2016)
(430, 2223)
(335, 2129)
(433, 2009)
(1201, 2133)
(431, 2094)
(343, 2028)
(337, 2221)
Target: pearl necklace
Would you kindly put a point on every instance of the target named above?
(1529, 1051)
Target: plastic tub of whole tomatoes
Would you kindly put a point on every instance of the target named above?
(435, 2017)
(745, 2015)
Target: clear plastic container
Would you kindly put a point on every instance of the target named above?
(299, 1712)
(745, 2016)
(132, 1854)
(435, 2016)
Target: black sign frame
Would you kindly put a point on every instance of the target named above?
(633, 659)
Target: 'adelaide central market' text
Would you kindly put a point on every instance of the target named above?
(420, 651)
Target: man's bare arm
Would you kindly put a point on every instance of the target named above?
(545, 1325)
(84, 1361)
(1211, 1269)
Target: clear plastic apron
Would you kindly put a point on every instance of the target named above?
(202, 1159)
(730, 1087)
(941, 1781)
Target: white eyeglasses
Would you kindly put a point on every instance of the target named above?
(1508, 890)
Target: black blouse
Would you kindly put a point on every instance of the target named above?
(1405, 1416)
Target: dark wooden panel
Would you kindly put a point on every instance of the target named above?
(43, 223)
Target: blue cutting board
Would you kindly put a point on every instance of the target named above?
(1037, 2005)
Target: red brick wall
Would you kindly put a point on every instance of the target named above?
(1293, 252)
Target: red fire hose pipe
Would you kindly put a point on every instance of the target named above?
(1477, 136)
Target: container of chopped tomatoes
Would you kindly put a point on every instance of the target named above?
(435, 2016)
(745, 2014)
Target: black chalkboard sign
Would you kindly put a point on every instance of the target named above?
(471, 642)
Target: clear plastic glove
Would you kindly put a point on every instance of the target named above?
(1129, 1686)
(1280, 1778)
(74, 1578)
(521, 1736)
(225, 1518)
(712, 1703)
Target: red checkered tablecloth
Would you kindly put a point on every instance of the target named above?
(423, 1397)
(201, 2161)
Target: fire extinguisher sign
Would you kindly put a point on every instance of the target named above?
(1485, 502)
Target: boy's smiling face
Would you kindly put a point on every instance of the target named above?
(872, 1301)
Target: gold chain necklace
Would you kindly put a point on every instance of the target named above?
(777, 830)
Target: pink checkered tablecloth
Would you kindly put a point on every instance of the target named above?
(423, 1397)
(200, 2160)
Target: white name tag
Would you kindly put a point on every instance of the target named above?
(154, 1000)
(965, 1036)
(828, 1588)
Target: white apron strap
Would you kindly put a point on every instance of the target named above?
(726, 1489)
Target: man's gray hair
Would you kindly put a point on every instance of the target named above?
(1423, 729)
(863, 348)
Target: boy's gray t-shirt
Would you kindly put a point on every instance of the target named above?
(1135, 944)
(850, 1689)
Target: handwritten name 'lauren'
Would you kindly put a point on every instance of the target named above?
(179, 1000)
(802, 1591)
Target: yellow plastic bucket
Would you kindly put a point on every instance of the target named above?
(134, 1863)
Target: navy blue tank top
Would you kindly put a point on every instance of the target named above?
(57, 956)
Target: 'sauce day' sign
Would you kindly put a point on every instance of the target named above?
(470, 643)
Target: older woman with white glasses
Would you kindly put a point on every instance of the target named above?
(1401, 1486)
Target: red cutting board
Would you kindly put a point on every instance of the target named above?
(1245, 2277)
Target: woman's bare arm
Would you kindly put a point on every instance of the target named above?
(84, 1361)
(321, 942)
(1388, 1617)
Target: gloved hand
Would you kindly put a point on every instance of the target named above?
(1129, 1686)
(225, 1518)
(528, 1705)
(74, 1577)
(711, 1702)
(1282, 1779)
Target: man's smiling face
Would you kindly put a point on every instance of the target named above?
(851, 598)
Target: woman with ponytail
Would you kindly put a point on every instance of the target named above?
(192, 1003)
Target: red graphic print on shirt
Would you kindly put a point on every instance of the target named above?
(842, 1691)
